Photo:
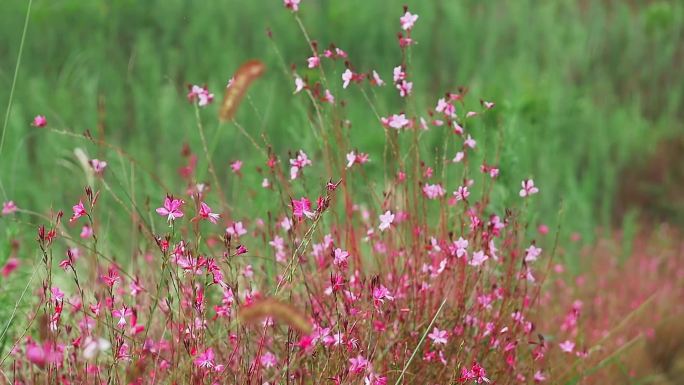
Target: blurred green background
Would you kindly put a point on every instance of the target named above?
(585, 90)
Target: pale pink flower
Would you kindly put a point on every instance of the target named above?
(386, 220)
(9, 207)
(298, 163)
(438, 337)
(470, 142)
(567, 346)
(398, 74)
(531, 253)
(433, 191)
(98, 165)
(528, 188)
(86, 232)
(313, 61)
(488, 105)
(407, 21)
(236, 229)
(354, 158)
(171, 209)
(328, 97)
(201, 95)
(340, 257)
(459, 157)
(347, 77)
(479, 257)
(299, 84)
(461, 246)
(396, 121)
(462, 193)
(377, 80)
(404, 88)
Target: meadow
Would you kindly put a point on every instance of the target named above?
(361, 266)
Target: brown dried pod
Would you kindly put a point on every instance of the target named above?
(244, 76)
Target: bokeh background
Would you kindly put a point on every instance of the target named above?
(590, 94)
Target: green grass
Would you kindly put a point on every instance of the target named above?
(583, 88)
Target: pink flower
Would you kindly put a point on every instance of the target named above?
(39, 121)
(531, 253)
(347, 77)
(268, 360)
(201, 95)
(236, 229)
(380, 294)
(11, 265)
(407, 21)
(121, 314)
(398, 74)
(292, 4)
(433, 191)
(236, 166)
(528, 188)
(462, 193)
(377, 80)
(461, 247)
(354, 158)
(470, 142)
(404, 88)
(205, 213)
(299, 85)
(171, 209)
(313, 61)
(86, 232)
(567, 346)
(488, 105)
(358, 364)
(479, 257)
(298, 163)
(396, 121)
(98, 165)
(206, 359)
(329, 98)
(459, 157)
(301, 208)
(9, 208)
(79, 211)
(438, 337)
(340, 257)
(386, 220)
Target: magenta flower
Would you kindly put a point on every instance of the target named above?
(171, 209)
(313, 61)
(39, 121)
(292, 4)
(79, 211)
(358, 364)
(301, 208)
(206, 359)
(205, 213)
